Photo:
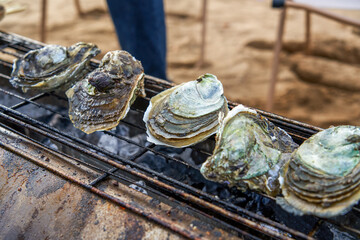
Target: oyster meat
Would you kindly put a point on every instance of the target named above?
(53, 67)
(186, 114)
(100, 100)
(249, 152)
(323, 176)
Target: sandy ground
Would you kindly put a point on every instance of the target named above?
(321, 88)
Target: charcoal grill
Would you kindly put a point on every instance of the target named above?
(160, 186)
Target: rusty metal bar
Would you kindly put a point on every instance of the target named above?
(105, 175)
(177, 192)
(102, 177)
(275, 65)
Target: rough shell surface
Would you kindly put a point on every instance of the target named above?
(103, 98)
(323, 176)
(52, 67)
(249, 152)
(186, 114)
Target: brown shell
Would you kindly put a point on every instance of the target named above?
(103, 98)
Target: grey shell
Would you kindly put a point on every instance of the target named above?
(323, 176)
(52, 67)
(249, 152)
(186, 114)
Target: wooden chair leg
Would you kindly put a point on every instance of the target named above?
(43, 21)
(203, 34)
(78, 8)
(275, 64)
(307, 32)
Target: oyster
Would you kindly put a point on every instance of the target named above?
(186, 114)
(52, 67)
(100, 100)
(323, 176)
(249, 152)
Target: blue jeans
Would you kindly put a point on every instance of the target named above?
(140, 27)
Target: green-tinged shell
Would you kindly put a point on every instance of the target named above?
(249, 152)
(323, 176)
(186, 114)
(103, 98)
(52, 67)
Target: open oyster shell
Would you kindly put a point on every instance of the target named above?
(52, 67)
(186, 114)
(323, 176)
(103, 97)
(249, 152)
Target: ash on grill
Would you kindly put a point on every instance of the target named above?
(249, 215)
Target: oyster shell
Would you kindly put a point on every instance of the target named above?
(186, 114)
(52, 67)
(249, 152)
(323, 176)
(103, 97)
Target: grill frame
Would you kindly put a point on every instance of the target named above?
(234, 218)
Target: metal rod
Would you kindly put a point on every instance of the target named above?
(26, 101)
(11, 53)
(203, 34)
(275, 64)
(102, 177)
(307, 31)
(324, 13)
(43, 21)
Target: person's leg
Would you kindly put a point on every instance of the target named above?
(141, 30)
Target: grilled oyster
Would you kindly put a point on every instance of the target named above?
(186, 114)
(52, 67)
(100, 100)
(323, 176)
(249, 152)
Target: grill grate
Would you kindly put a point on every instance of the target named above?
(81, 150)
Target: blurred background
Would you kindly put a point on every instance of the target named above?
(321, 88)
